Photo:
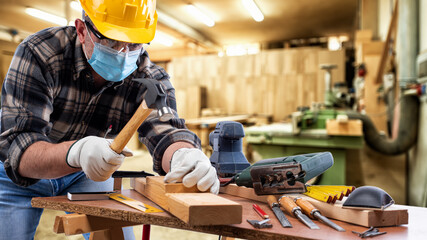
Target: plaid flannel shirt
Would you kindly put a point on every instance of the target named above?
(49, 95)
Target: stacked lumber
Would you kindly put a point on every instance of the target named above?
(273, 82)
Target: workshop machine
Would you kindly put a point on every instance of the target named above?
(314, 118)
(268, 176)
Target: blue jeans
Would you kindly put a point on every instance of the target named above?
(19, 220)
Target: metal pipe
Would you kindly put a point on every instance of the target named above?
(407, 40)
(406, 135)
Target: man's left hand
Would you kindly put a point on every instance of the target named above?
(191, 166)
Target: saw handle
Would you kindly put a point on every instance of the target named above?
(130, 128)
(288, 204)
(306, 207)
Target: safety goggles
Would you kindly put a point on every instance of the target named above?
(112, 43)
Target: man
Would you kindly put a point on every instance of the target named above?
(68, 92)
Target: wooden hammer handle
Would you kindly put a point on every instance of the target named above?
(130, 128)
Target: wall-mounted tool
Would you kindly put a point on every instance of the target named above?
(226, 142)
(289, 205)
(278, 212)
(285, 174)
(310, 210)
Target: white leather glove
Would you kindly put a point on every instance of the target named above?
(191, 166)
(94, 155)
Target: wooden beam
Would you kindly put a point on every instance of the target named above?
(76, 223)
(391, 39)
(391, 216)
(189, 204)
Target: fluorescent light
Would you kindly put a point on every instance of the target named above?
(253, 9)
(163, 38)
(76, 6)
(200, 15)
(46, 16)
(334, 44)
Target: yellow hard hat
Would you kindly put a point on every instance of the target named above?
(132, 21)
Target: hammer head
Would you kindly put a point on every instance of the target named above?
(155, 98)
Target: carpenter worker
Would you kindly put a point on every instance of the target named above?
(68, 92)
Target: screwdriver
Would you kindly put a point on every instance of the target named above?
(288, 204)
(310, 210)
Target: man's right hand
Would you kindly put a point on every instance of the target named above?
(94, 155)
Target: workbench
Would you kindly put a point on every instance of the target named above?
(110, 209)
(277, 140)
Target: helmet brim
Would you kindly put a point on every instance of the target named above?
(124, 34)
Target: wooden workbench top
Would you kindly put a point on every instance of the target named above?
(111, 209)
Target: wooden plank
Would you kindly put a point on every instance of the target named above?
(391, 216)
(364, 35)
(375, 107)
(352, 127)
(72, 224)
(189, 204)
(204, 208)
(389, 42)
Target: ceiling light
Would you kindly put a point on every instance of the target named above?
(253, 9)
(334, 44)
(163, 38)
(76, 6)
(46, 16)
(200, 15)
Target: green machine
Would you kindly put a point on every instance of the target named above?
(305, 134)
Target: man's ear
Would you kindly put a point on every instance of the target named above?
(81, 30)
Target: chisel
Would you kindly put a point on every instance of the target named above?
(310, 210)
(272, 202)
(288, 204)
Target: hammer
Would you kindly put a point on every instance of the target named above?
(155, 98)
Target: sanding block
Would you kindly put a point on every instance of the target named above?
(368, 197)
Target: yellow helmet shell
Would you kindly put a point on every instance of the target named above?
(132, 21)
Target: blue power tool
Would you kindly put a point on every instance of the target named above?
(226, 141)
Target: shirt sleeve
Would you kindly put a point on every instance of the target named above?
(26, 107)
(157, 136)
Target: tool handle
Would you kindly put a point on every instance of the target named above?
(306, 207)
(271, 200)
(130, 128)
(288, 204)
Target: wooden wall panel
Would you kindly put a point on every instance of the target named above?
(273, 82)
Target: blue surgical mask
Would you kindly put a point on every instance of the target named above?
(111, 64)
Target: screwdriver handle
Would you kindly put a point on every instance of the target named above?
(306, 206)
(288, 204)
(271, 200)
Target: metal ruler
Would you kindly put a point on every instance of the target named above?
(134, 203)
